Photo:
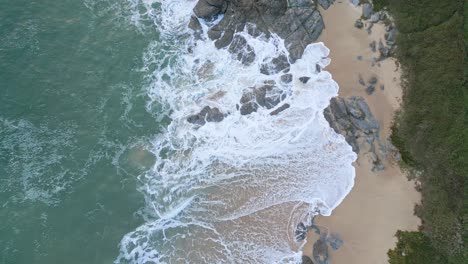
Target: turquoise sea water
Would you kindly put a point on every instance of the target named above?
(98, 163)
(73, 128)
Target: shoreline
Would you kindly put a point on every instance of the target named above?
(381, 202)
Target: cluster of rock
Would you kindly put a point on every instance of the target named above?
(370, 17)
(320, 252)
(298, 22)
(352, 118)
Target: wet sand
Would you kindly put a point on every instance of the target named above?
(380, 202)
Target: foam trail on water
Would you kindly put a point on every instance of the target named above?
(233, 191)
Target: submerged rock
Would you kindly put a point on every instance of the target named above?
(304, 79)
(210, 9)
(359, 24)
(320, 252)
(267, 96)
(242, 51)
(275, 65)
(352, 118)
(306, 260)
(286, 78)
(335, 241)
(384, 51)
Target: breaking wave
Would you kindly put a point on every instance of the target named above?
(234, 190)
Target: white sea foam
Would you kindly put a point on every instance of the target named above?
(233, 191)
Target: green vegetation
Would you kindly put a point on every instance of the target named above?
(431, 131)
(413, 248)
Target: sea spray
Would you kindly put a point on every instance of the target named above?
(233, 191)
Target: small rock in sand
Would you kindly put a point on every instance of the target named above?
(359, 24)
(361, 80)
(373, 46)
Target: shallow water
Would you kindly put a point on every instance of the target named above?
(98, 162)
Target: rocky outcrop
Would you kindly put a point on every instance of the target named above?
(325, 3)
(352, 118)
(298, 22)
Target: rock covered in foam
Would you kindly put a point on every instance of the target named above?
(207, 114)
(266, 96)
(298, 22)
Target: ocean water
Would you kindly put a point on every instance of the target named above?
(98, 163)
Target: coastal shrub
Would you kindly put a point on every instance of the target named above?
(414, 248)
(432, 129)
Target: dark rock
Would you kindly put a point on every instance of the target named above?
(210, 9)
(367, 11)
(359, 24)
(301, 232)
(280, 109)
(207, 114)
(320, 252)
(370, 89)
(306, 260)
(384, 51)
(286, 78)
(354, 2)
(318, 68)
(275, 65)
(373, 46)
(325, 3)
(375, 18)
(304, 79)
(335, 241)
(382, 87)
(242, 51)
(359, 58)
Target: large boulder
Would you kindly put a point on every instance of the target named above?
(320, 252)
